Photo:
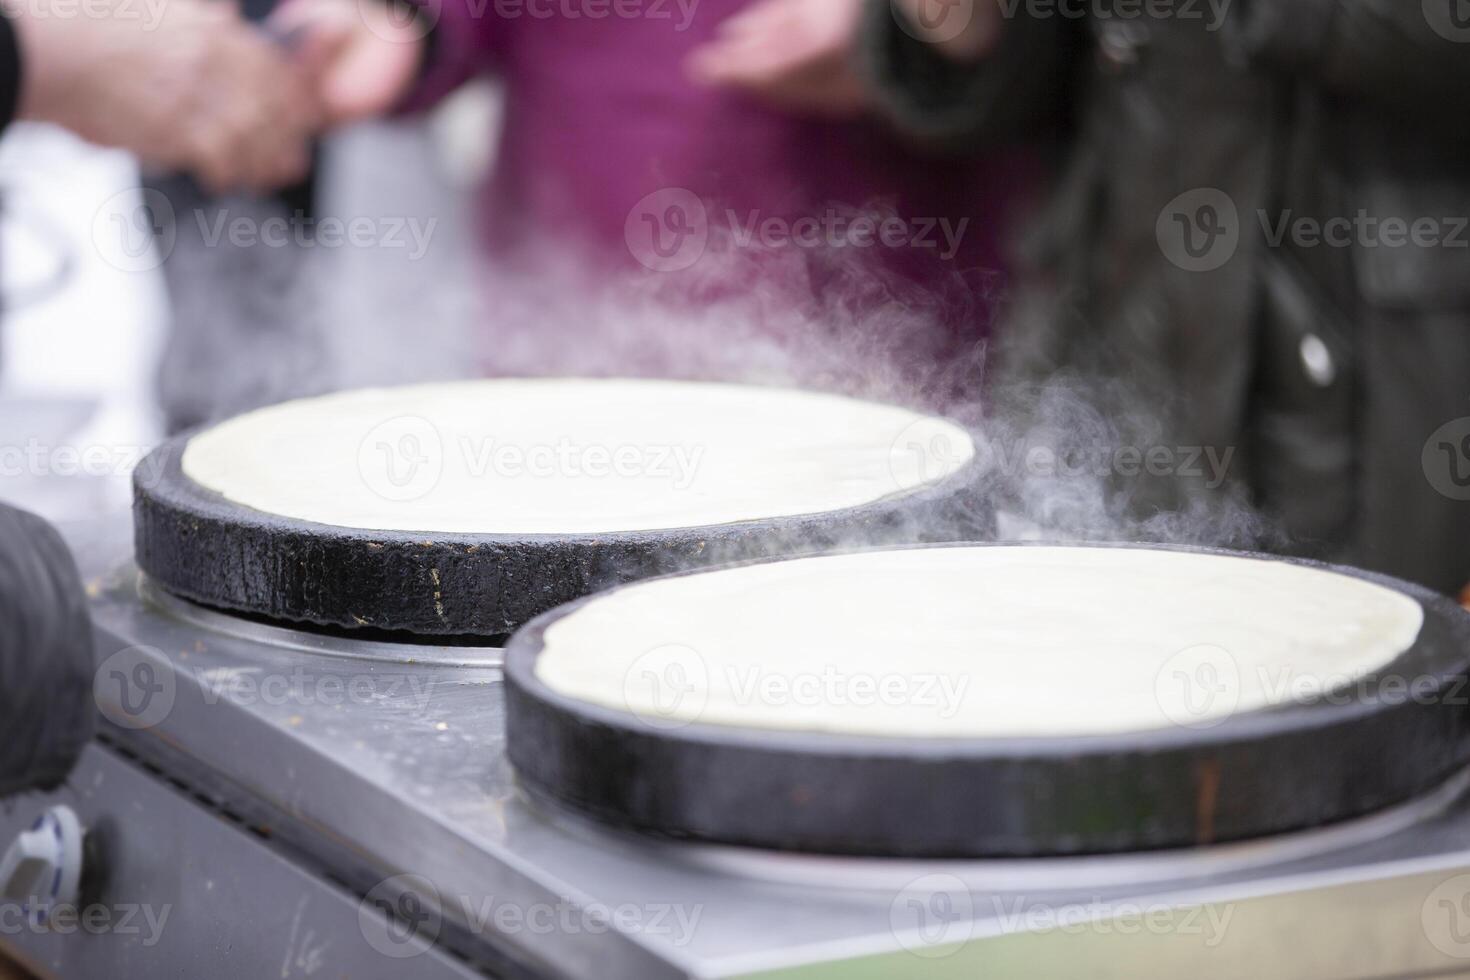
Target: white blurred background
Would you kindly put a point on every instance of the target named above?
(82, 334)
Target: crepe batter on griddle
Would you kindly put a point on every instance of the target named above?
(972, 642)
(562, 456)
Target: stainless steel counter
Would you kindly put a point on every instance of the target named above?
(378, 770)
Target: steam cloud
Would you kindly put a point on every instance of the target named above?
(1058, 454)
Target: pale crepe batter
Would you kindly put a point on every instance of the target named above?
(570, 456)
(977, 641)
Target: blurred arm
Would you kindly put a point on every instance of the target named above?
(194, 88)
(377, 57)
(9, 70)
(464, 40)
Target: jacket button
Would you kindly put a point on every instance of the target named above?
(1317, 361)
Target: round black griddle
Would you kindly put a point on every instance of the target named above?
(201, 546)
(1288, 767)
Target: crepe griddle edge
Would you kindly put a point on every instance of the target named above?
(199, 545)
(1258, 773)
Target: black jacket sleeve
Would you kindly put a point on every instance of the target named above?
(9, 69)
(1407, 52)
(46, 708)
(1018, 91)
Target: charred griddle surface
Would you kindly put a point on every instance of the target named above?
(1285, 768)
(199, 545)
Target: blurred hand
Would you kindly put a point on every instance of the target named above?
(963, 30)
(196, 90)
(796, 54)
(363, 54)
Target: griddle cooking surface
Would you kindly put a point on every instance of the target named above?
(1284, 768)
(200, 545)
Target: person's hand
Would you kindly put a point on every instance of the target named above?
(363, 54)
(963, 30)
(196, 90)
(796, 54)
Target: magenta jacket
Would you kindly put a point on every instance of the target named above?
(600, 115)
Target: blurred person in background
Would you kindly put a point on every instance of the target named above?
(1261, 229)
(188, 87)
(668, 136)
(235, 294)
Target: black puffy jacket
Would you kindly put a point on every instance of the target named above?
(1262, 229)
